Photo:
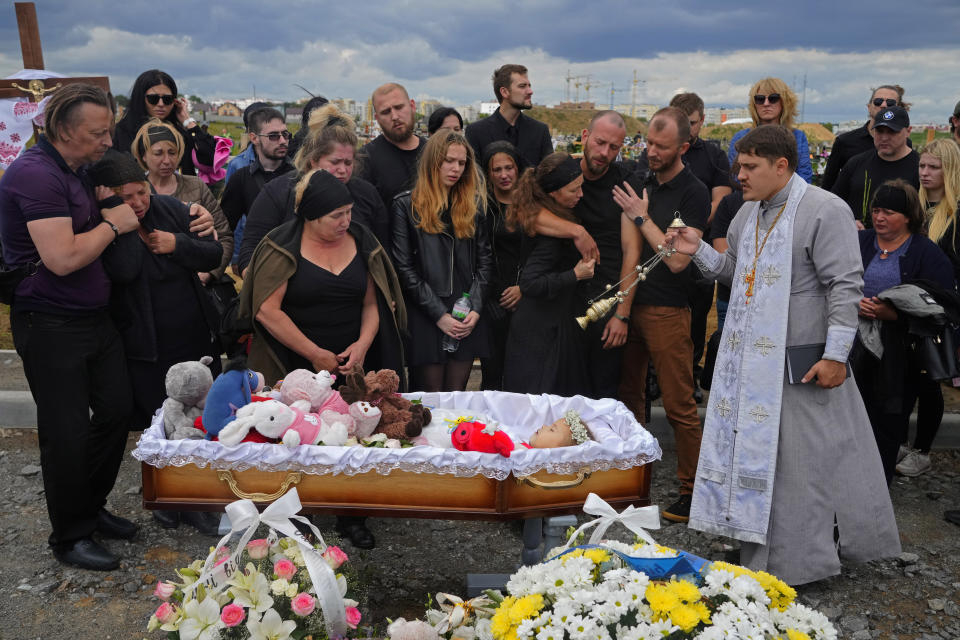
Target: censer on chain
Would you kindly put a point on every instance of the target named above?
(601, 306)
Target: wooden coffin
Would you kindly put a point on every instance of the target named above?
(466, 491)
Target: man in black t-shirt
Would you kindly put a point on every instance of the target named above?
(860, 139)
(618, 243)
(389, 162)
(660, 318)
(513, 91)
(891, 158)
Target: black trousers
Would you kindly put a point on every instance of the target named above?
(701, 300)
(74, 366)
(603, 365)
(492, 367)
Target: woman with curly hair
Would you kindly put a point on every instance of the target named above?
(771, 101)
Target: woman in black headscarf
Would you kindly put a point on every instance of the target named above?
(544, 353)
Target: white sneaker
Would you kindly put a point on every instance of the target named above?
(902, 453)
(913, 464)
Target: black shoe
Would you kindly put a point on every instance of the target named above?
(86, 554)
(203, 521)
(167, 519)
(111, 526)
(952, 516)
(679, 511)
(359, 534)
(697, 395)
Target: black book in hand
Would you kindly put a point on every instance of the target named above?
(801, 359)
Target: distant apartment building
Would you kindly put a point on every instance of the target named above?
(721, 115)
(644, 111)
(229, 109)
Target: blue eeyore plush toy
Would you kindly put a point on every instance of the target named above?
(231, 390)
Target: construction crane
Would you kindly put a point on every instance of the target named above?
(613, 91)
(633, 96)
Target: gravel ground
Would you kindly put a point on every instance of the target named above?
(914, 596)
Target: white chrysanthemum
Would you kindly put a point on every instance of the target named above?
(582, 628)
(279, 586)
(564, 609)
(606, 612)
(483, 630)
(715, 582)
(201, 620)
(803, 619)
(746, 589)
(550, 632)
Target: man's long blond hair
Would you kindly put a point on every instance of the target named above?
(430, 198)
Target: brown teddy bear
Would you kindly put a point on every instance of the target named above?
(401, 419)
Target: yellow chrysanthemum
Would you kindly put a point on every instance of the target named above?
(576, 553)
(780, 593)
(525, 608)
(702, 610)
(661, 600)
(663, 549)
(685, 617)
(685, 591)
(793, 634)
(598, 556)
(500, 625)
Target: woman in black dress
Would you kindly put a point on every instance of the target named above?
(163, 314)
(154, 95)
(324, 296)
(441, 248)
(501, 166)
(158, 303)
(544, 352)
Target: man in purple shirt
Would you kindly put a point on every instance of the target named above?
(72, 354)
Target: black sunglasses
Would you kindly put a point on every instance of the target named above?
(773, 98)
(878, 102)
(275, 136)
(154, 98)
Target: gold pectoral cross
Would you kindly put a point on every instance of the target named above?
(749, 279)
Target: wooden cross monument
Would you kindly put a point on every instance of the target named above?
(32, 54)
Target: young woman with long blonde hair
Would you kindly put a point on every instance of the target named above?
(441, 251)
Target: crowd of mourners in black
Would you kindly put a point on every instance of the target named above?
(423, 255)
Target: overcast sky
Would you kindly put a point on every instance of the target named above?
(448, 50)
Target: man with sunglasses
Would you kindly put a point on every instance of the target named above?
(860, 139)
(891, 158)
(270, 139)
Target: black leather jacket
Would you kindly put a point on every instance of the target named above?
(425, 261)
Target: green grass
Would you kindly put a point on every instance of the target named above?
(6, 338)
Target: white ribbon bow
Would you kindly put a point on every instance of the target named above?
(244, 519)
(631, 517)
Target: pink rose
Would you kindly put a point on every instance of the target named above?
(285, 569)
(166, 613)
(258, 548)
(353, 617)
(232, 615)
(334, 557)
(164, 590)
(303, 604)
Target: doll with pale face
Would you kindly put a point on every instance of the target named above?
(564, 432)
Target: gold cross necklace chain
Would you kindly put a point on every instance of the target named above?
(758, 246)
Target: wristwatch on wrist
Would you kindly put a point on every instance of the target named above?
(639, 220)
(621, 318)
(189, 122)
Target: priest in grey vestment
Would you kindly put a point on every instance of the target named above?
(781, 463)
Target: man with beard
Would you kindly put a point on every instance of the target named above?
(514, 93)
(660, 318)
(389, 161)
(618, 243)
(270, 138)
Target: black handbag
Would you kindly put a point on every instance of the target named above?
(937, 354)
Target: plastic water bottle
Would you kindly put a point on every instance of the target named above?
(460, 310)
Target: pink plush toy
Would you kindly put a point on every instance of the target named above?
(292, 424)
(315, 388)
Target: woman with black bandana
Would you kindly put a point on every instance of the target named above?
(160, 308)
(894, 252)
(324, 296)
(321, 291)
(158, 147)
(544, 352)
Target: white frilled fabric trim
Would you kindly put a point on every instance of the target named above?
(620, 443)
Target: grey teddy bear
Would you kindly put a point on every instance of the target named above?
(187, 386)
